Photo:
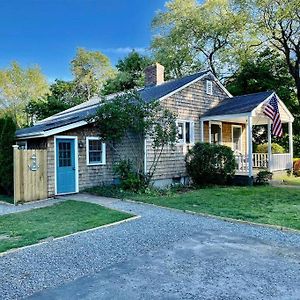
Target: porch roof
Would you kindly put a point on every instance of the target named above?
(239, 108)
(238, 104)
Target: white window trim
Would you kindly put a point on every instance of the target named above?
(192, 132)
(103, 150)
(209, 87)
(241, 127)
(209, 130)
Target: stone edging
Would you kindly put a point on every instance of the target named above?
(69, 235)
(226, 219)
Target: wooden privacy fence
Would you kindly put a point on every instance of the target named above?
(30, 175)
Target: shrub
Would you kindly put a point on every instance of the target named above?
(296, 168)
(7, 137)
(130, 179)
(276, 148)
(263, 177)
(210, 164)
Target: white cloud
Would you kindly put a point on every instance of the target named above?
(125, 50)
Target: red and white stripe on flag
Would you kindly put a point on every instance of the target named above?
(272, 111)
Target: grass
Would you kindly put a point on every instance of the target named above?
(27, 228)
(7, 199)
(264, 204)
(291, 180)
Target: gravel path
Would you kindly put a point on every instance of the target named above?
(6, 208)
(163, 254)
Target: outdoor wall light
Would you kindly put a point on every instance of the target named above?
(80, 144)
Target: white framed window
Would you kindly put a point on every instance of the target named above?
(22, 145)
(237, 138)
(95, 151)
(209, 87)
(215, 131)
(185, 132)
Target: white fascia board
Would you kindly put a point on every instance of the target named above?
(281, 103)
(224, 117)
(221, 85)
(52, 131)
(261, 104)
(194, 81)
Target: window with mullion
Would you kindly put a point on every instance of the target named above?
(95, 151)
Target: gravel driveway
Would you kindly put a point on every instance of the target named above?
(162, 255)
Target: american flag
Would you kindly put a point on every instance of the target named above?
(272, 111)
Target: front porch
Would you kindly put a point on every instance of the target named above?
(233, 126)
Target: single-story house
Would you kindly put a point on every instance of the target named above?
(205, 110)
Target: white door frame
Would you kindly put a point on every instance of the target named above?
(241, 137)
(75, 138)
(209, 130)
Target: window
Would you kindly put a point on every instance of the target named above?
(209, 87)
(215, 132)
(95, 151)
(237, 138)
(64, 154)
(185, 131)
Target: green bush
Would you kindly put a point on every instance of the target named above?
(7, 137)
(210, 164)
(130, 180)
(276, 148)
(263, 177)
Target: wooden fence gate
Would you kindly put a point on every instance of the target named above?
(30, 175)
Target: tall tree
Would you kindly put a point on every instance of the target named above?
(277, 22)
(63, 95)
(91, 69)
(202, 32)
(130, 73)
(18, 86)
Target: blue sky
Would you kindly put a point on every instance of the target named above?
(47, 32)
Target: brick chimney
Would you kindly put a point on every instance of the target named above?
(154, 75)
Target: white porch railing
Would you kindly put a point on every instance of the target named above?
(279, 162)
(260, 160)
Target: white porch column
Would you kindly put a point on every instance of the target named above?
(209, 132)
(291, 150)
(269, 146)
(250, 146)
(201, 131)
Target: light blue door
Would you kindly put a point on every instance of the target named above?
(65, 166)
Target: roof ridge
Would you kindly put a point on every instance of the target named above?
(251, 94)
(175, 79)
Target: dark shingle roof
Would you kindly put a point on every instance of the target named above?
(84, 110)
(238, 104)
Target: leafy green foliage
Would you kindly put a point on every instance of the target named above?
(128, 116)
(18, 86)
(263, 177)
(263, 148)
(192, 34)
(63, 95)
(130, 179)
(91, 69)
(7, 136)
(130, 73)
(210, 163)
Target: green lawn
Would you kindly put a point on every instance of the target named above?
(291, 180)
(268, 205)
(27, 228)
(7, 199)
